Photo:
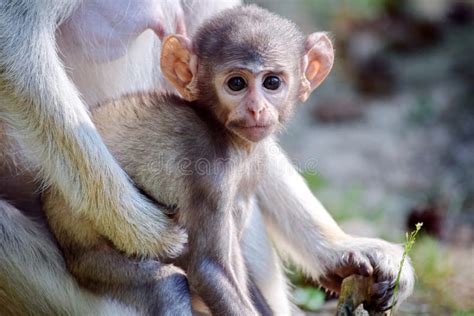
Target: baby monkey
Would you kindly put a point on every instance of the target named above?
(239, 79)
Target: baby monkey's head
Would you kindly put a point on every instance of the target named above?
(249, 66)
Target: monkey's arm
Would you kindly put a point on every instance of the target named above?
(43, 108)
(305, 233)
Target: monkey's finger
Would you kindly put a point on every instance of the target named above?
(363, 265)
(364, 268)
(331, 282)
(354, 264)
(382, 294)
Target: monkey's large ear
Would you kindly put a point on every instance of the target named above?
(316, 63)
(179, 65)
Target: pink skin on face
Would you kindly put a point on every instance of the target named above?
(103, 30)
(254, 110)
(257, 123)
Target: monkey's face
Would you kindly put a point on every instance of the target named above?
(249, 77)
(253, 99)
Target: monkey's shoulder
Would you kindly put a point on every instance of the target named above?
(192, 120)
(163, 110)
(185, 127)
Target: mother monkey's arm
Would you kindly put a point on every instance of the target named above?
(46, 115)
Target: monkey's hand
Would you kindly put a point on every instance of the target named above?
(144, 229)
(134, 225)
(376, 258)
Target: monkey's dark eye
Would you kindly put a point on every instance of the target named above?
(272, 83)
(236, 83)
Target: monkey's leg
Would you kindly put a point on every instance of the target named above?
(258, 299)
(150, 286)
(43, 108)
(33, 277)
(305, 232)
(264, 266)
(216, 268)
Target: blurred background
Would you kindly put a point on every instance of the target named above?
(388, 139)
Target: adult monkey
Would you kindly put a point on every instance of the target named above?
(32, 78)
(45, 114)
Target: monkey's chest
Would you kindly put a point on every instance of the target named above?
(245, 199)
(242, 208)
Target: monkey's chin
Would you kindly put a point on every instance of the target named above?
(253, 133)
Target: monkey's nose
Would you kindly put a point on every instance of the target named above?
(256, 112)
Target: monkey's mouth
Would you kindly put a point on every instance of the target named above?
(255, 132)
(254, 126)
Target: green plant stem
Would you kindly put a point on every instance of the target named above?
(408, 245)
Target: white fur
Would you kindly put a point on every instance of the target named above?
(32, 265)
(43, 107)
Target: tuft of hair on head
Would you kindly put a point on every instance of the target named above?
(248, 33)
